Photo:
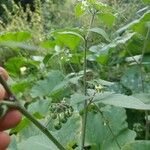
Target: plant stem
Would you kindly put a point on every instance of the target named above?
(142, 82)
(15, 104)
(147, 126)
(41, 127)
(84, 119)
(4, 84)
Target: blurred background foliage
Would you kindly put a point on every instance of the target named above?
(50, 15)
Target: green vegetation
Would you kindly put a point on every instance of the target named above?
(82, 70)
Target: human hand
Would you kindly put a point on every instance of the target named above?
(10, 120)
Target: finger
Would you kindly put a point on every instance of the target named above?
(4, 140)
(2, 92)
(4, 73)
(10, 120)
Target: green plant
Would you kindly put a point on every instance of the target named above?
(87, 86)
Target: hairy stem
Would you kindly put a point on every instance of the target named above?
(15, 104)
(84, 119)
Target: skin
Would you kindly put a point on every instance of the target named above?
(10, 120)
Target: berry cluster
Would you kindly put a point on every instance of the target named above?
(60, 112)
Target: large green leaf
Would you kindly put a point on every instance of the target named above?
(54, 83)
(100, 32)
(140, 25)
(14, 64)
(103, 137)
(107, 18)
(40, 106)
(15, 36)
(67, 38)
(131, 79)
(121, 100)
(137, 145)
(70, 133)
(21, 86)
(20, 45)
(102, 50)
(39, 142)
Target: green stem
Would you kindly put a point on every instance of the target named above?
(142, 82)
(147, 126)
(17, 106)
(3, 82)
(12, 102)
(84, 119)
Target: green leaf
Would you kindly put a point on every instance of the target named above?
(121, 101)
(48, 44)
(102, 51)
(20, 45)
(13, 145)
(14, 64)
(68, 38)
(23, 124)
(79, 9)
(21, 86)
(101, 32)
(47, 58)
(131, 79)
(77, 98)
(70, 131)
(137, 145)
(102, 58)
(15, 36)
(39, 142)
(26, 129)
(140, 25)
(144, 97)
(40, 106)
(107, 131)
(107, 18)
(53, 84)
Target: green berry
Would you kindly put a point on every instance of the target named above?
(52, 109)
(71, 109)
(63, 120)
(68, 114)
(58, 126)
(54, 116)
